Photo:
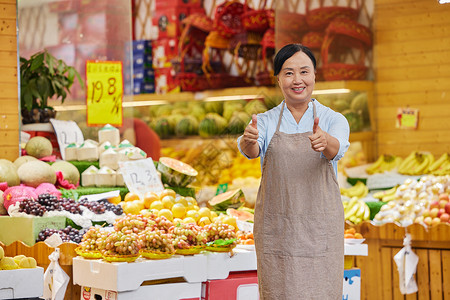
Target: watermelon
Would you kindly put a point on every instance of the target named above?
(163, 127)
(230, 199)
(197, 111)
(238, 122)
(212, 125)
(176, 173)
(230, 108)
(214, 107)
(241, 215)
(186, 126)
(255, 107)
(354, 120)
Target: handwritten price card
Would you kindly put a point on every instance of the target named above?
(140, 176)
(407, 118)
(67, 132)
(104, 92)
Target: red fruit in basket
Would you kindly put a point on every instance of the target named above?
(447, 208)
(442, 203)
(444, 196)
(434, 204)
(434, 212)
(445, 217)
(440, 212)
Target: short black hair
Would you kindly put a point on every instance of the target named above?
(286, 52)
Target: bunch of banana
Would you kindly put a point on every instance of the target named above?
(385, 162)
(359, 190)
(416, 163)
(386, 195)
(441, 166)
(356, 210)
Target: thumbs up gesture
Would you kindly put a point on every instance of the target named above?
(318, 138)
(251, 132)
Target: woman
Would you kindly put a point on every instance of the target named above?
(299, 216)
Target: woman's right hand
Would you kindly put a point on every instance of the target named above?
(251, 132)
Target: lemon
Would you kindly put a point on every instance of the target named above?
(204, 221)
(191, 200)
(167, 192)
(178, 210)
(193, 214)
(182, 200)
(168, 201)
(166, 213)
(149, 198)
(213, 215)
(204, 212)
(115, 200)
(189, 220)
(230, 221)
(157, 205)
(130, 197)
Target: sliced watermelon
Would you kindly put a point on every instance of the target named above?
(176, 173)
(241, 215)
(230, 199)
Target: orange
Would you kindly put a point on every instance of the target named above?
(167, 192)
(349, 236)
(115, 200)
(249, 242)
(157, 205)
(131, 197)
(350, 230)
(149, 197)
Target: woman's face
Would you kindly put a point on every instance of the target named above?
(296, 78)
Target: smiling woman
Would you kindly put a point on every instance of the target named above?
(299, 142)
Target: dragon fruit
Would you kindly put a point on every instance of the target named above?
(18, 193)
(48, 188)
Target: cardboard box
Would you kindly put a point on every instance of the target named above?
(122, 277)
(26, 229)
(166, 81)
(22, 283)
(239, 286)
(164, 52)
(221, 264)
(162, 4)
(352, 284)
(168, 20)
(167, 291)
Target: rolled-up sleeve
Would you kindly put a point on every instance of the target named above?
(340, 129)
(261, 130)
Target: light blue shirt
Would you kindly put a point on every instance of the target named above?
(334, 123)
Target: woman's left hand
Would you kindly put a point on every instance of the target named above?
(319, 138)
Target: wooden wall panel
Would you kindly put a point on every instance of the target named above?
(9, 103)
(412, 68)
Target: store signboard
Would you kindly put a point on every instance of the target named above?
(104, 81)
(141, 176)
(407, 118)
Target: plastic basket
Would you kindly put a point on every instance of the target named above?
(227, 18)
(149, 254)
(313, 39)
(88, 254)
(120, 258)
(255, 19)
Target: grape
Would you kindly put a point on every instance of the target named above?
(187, 235)
(101, 206)
(31, 207)
(49, 201)
(71, 206)
(119, 243)
(156, 240)
(131, 223)
(219, 230)
(67, 234)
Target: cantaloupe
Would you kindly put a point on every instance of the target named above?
(39, 147)
(8, 173)
(33, 173)
(23, 159)
(69, 171)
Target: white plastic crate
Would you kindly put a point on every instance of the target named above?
(122, 276)
(221, 264)
(22, 283)
(167, 291)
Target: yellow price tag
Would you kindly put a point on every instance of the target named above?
(409, 120)
(104, 92)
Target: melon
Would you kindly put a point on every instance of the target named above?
(186, 126)
(354, 120)
(23, 159)
(176, 173)
(230, 199)
(3, 210)
(214, 107)
(39, 147)
(241, 215)
(33, 173)
(255, 107)
(238, 122)
(8, 263)
(69, 171)
(8, 173)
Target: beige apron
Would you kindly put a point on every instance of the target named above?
(299, 222)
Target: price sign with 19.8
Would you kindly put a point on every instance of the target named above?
(104, 92)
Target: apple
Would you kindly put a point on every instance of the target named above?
(419, 219)
(426, 213)
(434, 204)
(440, 212)
(447, 208)
(445, 217)
(442, 203)
(428, 220)
(435, 221)
(434, 212)
(444, 196)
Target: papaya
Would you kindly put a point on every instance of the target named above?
(241, 215)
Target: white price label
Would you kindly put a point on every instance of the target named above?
(67, 132)
(141, 176)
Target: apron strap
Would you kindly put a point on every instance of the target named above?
(279, 119)
(314, 109)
